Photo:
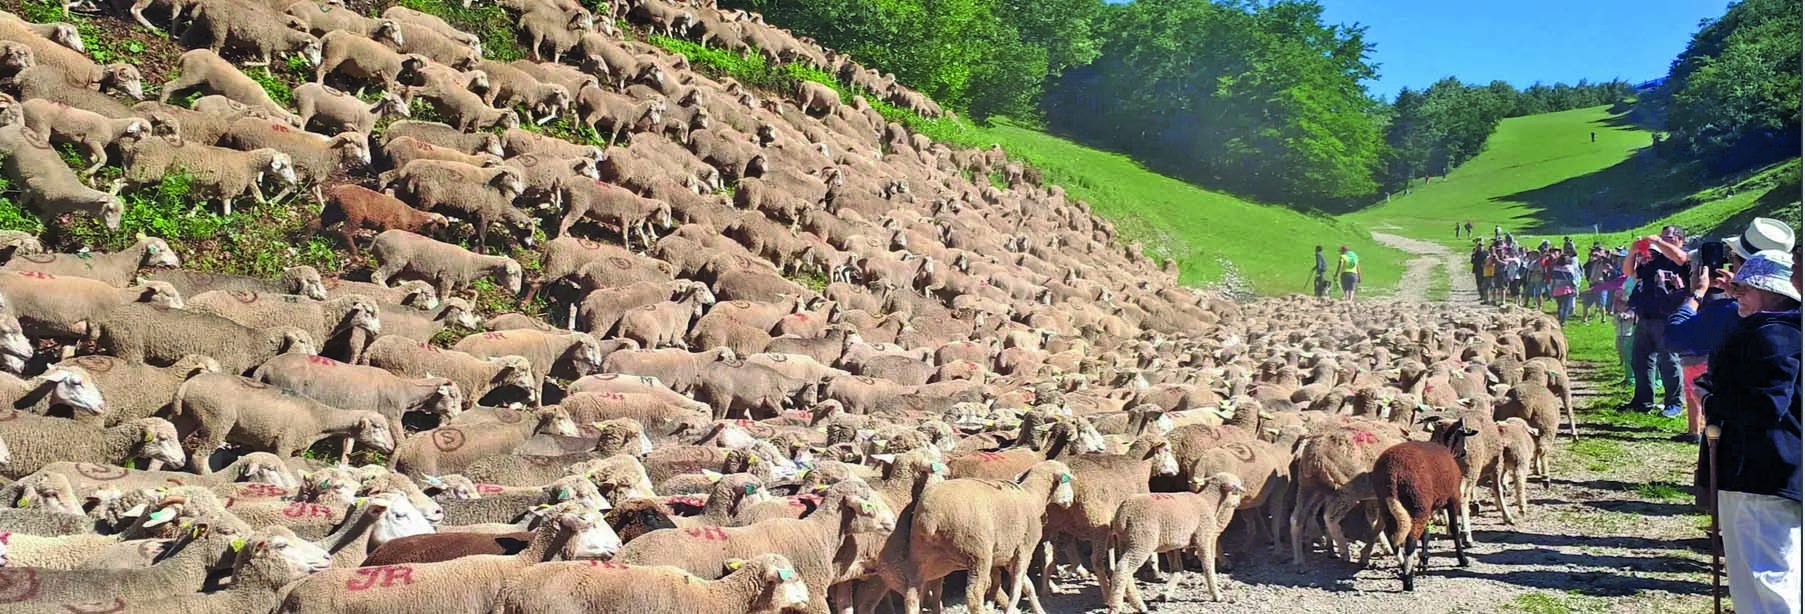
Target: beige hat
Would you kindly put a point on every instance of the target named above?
(1763, 233)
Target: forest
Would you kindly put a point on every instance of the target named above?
(1266, 100)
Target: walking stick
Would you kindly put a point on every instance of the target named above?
(1712, 432)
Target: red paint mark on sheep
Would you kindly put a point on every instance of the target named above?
(488, 489)
(1160, 496)
(257, 489)
(1364, 437)
(18, 584)
(685, 500)
(989, 456)
(713, 534)
(383, 576)
(299, 509)
(36, 275)
(605, 564)
(494, 335)
(322, 361)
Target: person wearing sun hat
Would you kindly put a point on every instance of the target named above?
(1752, 392)
(1708, 316)
(1763, 233)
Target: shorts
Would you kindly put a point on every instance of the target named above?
(1348, 281)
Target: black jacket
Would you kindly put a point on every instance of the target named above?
(1752, 393)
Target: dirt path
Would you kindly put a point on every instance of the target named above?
(1414, 285)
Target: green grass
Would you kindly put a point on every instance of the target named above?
(1597, 455)
(1664, 491)
(1269, 245)
(1542, 176)
(1439, 286)
(1554, 603)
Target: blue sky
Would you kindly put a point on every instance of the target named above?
(1521, 41)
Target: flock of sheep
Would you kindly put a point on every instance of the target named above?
(989, 382)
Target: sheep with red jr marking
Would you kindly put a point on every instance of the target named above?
(1415, 480)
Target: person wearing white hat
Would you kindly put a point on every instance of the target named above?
(1763, 233)
(1752, 392)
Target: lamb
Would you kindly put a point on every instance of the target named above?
(484, 196)
(91, 130)
(510, 86)
(571, 531)
(140, 332)
(816, 97)
(116, 269)
(950, 534)
(352, 207)
(62, 307)
(1518, 439)
(203, 68)
(47, 185)
(365, 59)
(584, 197)
(1533, 402)
(35, 441)
(344, 112)
(1149, 524)
(253, 26)
(216, 173)
(1414, 480)
(568, 355)
(225, 407)
(449, 449)
(765, 583)
(359, 387)
(409, 358)
(847, 509)
(315, 158)
(447, 267)
(445, 136)
(318, 319)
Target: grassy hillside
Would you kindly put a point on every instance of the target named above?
(1543, 176)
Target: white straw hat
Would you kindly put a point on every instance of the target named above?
(1769, 270)
(1763, 233)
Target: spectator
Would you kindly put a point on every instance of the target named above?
(1568, 248)
(1478, 260)
(1708, 315)
(1322, 267)
(1564, 282)
(1348, 269)
(1659, 266)
(1752, 393)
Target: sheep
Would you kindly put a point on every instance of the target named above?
(949, 534)
(1414, 480)
(18, 243)
(258, 472)
(402, 14)
(1149, 524)
(216, 173)
(584, 197)
(47, 185)
(62, 307)
(613, 115)
(445, 136)
(84, 90)
(365, 59)
(116, 269)
(847, 509)
(132, 390)
(542, 174)
(253, 26)
(511, 86)
(764, 583)
(140, 332)
(568, 355)
(318, 319)
(484, 196)
(36, 441)
(1518, 439)
(344, 112)
(315, 158)
(427, 323)
(476, 376)
(1331, 467)
(203, 68)
(185, 571)
(570, 531)
(1540, 407)
(430, 43)
(69, 63)
(1101, 482)
(261, 564)
(225, 407)
(402, 150)
(352, 207)
(412, 294)
(359, 387)
(61, 386)
(467, 111)
(447, 267)
(448, 449)
(554, 29)
(329, 16)
(516, 141)
(816, 97)
(302, 279)
(182, 125)
(91, 130)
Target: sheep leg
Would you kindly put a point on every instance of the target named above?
(1121, 579)
(344, 453)
(1498, 494)
(977, 583)
(1100, 565)
(1307, 503)
(1331, 518)
(1018, 576)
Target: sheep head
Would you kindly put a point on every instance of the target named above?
(158, 442)
(373, 431)
(277, 554)
(353, 147)
(125, 78)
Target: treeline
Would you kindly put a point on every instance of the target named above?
(1731, 99)
(1256, 97)
(1433, 130)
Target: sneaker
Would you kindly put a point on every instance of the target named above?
(1673, 411)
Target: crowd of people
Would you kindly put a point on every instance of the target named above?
(1507, 271)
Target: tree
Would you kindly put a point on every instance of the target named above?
(1732, 98)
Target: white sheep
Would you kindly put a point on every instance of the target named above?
(344, 111)
(92, 130)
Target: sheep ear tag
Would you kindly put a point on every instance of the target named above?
(735, 564)
(149, 437)
(563, 493)
(868, 508)
(238, 544)
(159, 517)
(1065, 478)
(785, 575)
(751, 488)
(24, 502)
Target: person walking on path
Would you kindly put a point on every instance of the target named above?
(1709, 314)
(1752, 393)
(1564, 281)
(1347, 268)
(1658, 265)
(1478, 260)
(1322, 267)
(1469, 228)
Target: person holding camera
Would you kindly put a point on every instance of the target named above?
(1708, 315)
(1658, 265)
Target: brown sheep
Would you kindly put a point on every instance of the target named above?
(352, 208)
(1414, 480)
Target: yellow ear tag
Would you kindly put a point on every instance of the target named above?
(149, 437)
(24, 501)
(752, 460)
(238, 544)
(735, 564)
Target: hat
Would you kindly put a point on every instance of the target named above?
(1763, 233)
(1769, 270)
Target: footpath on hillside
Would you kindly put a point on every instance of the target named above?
(1414, 285)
